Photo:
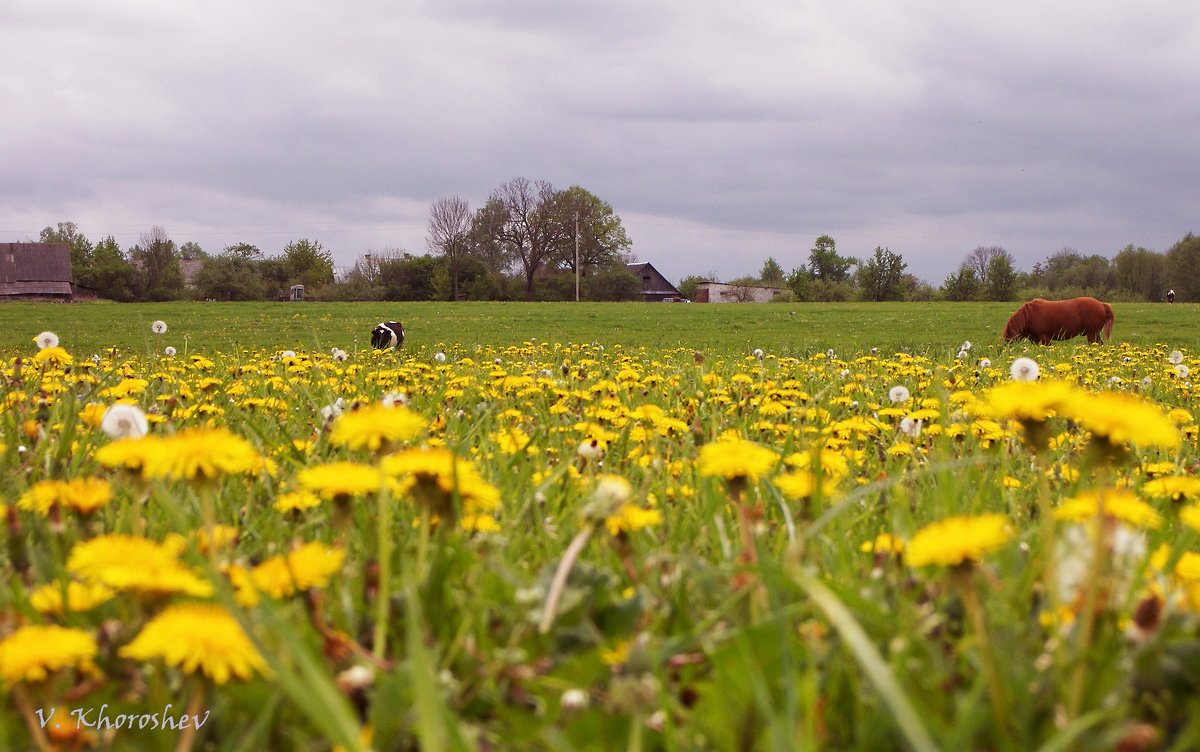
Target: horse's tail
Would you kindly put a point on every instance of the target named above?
(1109, 319)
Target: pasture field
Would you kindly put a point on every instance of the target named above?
(597, 526)
(782, 328)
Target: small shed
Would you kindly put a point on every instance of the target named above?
(655, 286)
(35, 271)
(296, 293)
(716, 292)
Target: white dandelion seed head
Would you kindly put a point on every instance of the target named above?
(874, 350)
(612, 490)
(574, 699)
(1146, 382)
(845, 372)
(590, 449)
(159, 327)
(1175, 358)
(168, 350)
(340, 355)
(965, 345)
(440, 357)
(391, 399)
(985, 363)
(962, 354)
(1182, 370)
(829, 353)
(1025, 369)
(286, 354)
(910, 427)
(497, 361)
(758, 353)
(124, 421)
(898, 394)
(854, 403)
(46, 339)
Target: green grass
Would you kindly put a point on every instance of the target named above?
(781, 328)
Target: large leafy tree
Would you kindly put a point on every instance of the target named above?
(771, 272)
(1142, 273)
(1002, 278)
(308, 263)
(520, 224)
(1183, 268)
(825, 264)
(81, 248)
(881, 277)
(232, 275)
(110, 273)
(602, 241)
(962, 285)
(157, 260)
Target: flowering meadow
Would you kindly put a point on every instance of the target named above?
(557, 545)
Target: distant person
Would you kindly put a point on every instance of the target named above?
(1170, 296)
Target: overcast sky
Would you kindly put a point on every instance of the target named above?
(720, 132)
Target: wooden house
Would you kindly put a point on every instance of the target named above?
(35, 271)
(655, 287)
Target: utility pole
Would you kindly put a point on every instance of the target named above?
(576, 257)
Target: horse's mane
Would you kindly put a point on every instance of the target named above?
(1017, 322)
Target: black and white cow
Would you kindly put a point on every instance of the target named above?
(387, 335)
(1170, 296)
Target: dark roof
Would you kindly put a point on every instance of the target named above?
(35, 262)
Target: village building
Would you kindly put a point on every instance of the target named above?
(717, 292)
(35, 271)
(655, 287)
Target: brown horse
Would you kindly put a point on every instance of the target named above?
(1045, 320)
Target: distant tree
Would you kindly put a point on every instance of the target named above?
(687, 286)
(1141, 273)
(1001, 278)
(979, 259)
(409, 277)
(825, 264)
(1071, 272)
(800, 282)
(449, 234)
(308, 263)
(961, 286)
(81, 248)
(611, 283)
(157, 261)
(603, 242)
(519, 223)
(234, 274)
(771, 273)
(1183, 269)
(110, 274)
(191, 250)
(881, 277)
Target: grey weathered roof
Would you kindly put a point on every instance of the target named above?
(35, 262)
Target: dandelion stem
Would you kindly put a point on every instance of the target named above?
(1087, 616)
(966, 582)
(188, 738)
(35, 729)
(558, 584)
(383, 599)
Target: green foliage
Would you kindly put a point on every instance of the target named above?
(81, 247)
(800, 282)
(614, 283)
(962, 285)
(1142, 273)
(410, 278)
(825, 263)
(687, 285)
(156, 259)
(1001, 279)
(307, 263)
(881, 277)
(230, 276)
(1183, 264)
(771, 272)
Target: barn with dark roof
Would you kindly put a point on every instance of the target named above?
(35, 271)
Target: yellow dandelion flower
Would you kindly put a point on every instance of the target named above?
(1026, 400)
(309, 566)
(296, 501)
(435, 476)
(1176, 488)
(736, 459)
(796, 485)
(631, 517)
(202, 454)
(86, 495)
(41, 496)
(92, 414)
(1122, 419)
(198, 637)
(1121, 505)
(479, 523)
(884, 543)
(955, 540)
(377, 427)
(340, 480)
(1190, 516)
(127, 562)
(48, 599)
(32, 652)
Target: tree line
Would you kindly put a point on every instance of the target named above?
(527, 241)
(986, 273)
